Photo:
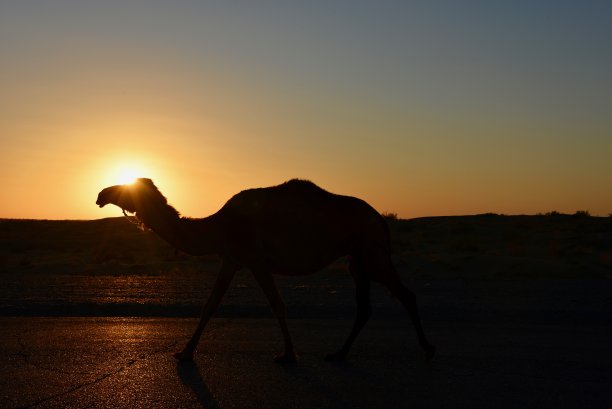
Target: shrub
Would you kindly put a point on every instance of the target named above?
(389, 216)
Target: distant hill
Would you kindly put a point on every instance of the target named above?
(483, 245)
(493, 245)
(40, 244)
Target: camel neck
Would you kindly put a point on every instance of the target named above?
(193, 236)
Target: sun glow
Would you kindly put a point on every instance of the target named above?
(128, 173)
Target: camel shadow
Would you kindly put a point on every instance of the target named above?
(189, 374)
(336, 382)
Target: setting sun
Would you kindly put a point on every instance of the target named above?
(127, 174)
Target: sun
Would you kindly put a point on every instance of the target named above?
(125, 174)
(123, 170)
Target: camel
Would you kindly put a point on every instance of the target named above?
(295, 228)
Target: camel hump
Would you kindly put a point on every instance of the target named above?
(302, 184)
(301, 202)
(286, 195)
(299, 196)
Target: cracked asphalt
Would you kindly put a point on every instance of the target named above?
(89, 362)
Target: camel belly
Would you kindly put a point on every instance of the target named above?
(290, 255)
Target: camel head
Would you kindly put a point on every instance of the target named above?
(138, 197)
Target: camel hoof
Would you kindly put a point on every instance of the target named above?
(338, 356)
(183, 356)
(430, 351)
(286, 358)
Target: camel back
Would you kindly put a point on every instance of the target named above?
(298, 219)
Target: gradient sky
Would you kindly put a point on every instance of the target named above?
(420, 108)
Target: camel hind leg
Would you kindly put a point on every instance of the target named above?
(390, 279)
(266, 282)
(364, 310)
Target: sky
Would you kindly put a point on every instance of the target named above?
(421, 108)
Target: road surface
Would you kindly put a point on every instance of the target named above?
(90, 362)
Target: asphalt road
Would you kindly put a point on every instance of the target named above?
(490, 362)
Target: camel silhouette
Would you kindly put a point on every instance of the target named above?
(294, 228)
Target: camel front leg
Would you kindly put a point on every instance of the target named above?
(220, 287)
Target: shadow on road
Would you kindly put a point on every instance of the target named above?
(189, 374)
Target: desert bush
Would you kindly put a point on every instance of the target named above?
(389, 216)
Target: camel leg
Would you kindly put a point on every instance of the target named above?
(408, 299)
(266, 282)
(220, 287)
(364, 311)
